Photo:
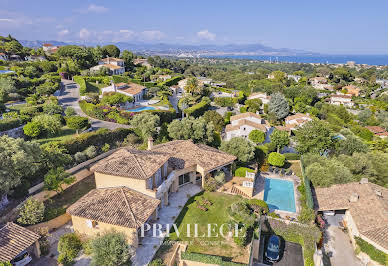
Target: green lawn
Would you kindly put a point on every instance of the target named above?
(216, 214)
(295, 167)
(16, 108)
(65, 133)
(58, 204)
(94, 87)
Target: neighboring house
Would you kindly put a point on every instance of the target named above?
(15, 239)
(366, 209)
(382, 82)
(136, 91)
(294, 77)
(320, 83)
(296, 120)
(378, 131)
(260, 95)
(182, 83)
(204, 80)
(360, 80)
(115, 65)
(131, 185)
(352, 90)
(49, 48)
(164, 77)
(271, 76)
(242, 124)
(341, 99)
(142, 62)
(218, 84)
(3, 56)
(36, 58)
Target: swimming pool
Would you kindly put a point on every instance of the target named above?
(143, 108)
(6, 71)
(279, 194)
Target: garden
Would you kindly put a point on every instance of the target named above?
(216, 209)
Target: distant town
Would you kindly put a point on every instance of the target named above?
(111, 156)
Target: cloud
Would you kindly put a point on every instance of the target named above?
(84, 34)
(92, 8)
(9, 20)
(206, 35)
(151, 35)
(63, 32)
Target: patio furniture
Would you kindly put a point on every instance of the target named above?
(270, 169)
(282, 172)
(276, 170)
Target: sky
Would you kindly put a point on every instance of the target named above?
(323, 26)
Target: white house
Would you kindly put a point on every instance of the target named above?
(297, 120)
(242, 124)
(49, 48)
(294, 77)
(134, 90)
(342, 99)
(260, 95)
(115, 65)
(112, 61)
(142, 62)
(205, 80)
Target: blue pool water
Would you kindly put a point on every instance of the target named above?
(6, 71)
(144, 108)
(279, 194)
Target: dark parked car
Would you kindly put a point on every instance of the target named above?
(229, 108)
(273, 247)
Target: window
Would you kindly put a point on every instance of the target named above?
(92, 224)
(183, 179)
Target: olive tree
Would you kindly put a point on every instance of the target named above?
(243, 149)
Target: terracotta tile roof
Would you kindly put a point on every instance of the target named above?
(131, 163)
(120, 206)
(369, 212)
(134, 88)
(282, 128)
(2, 53)
(244, 122)
(244, 115)
(121, 84)
(297, 116)
(14, 239)
(343, 96)
(111, 66)
(112, 59)
(376, 129)
(384, 134)
(47, 44)
(184, 153)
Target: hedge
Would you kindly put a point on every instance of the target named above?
(7, 124)
(226, 101)
(82, 84)
(373, 253)
(170, 82)
(208, 259)
(97, 138)
(307, 184)
(291, 156)
(198, 109)
(166, 116)
(241, 171)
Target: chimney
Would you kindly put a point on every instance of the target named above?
(364, 180)
(150, 143)
(353, 197)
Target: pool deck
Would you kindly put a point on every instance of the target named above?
(259, 191)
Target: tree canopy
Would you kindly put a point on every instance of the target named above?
(243, 149)
(278, 105)
(314, 136)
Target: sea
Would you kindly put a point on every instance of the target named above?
(377, 60)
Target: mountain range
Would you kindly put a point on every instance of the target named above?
(185, 49)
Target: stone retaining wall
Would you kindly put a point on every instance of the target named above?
(14, 133)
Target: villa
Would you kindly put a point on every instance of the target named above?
(242, 124)
(259, 95)
(133, 90)
(341, 99)
(352, 90)
(378, 131)
(366, 209)
(49, 48)
(142, 62)
(3, 56)
(320, 83)
(133, 185)
(115, 65)
(296, 120)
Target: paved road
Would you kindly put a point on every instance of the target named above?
(69, 97)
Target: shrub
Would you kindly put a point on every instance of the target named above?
(70, 111)
(80, 157)
(306, 215)
(31, 212)
(257, 136)
(105, 148)
(241, 171)
(259, 206)
(172, 81)
(199, 108)
(111, 249)
(90, 152)
(157, 262)
(373, 253)
(69, 246)
(241, 239)
(82, 84)
(33, 129)
(291, 156)
(243, 109)
(276, 159)
(208, 259)
(210, 184)
(220, 177)
(225, 101)
(273, 215)
(77, 122)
